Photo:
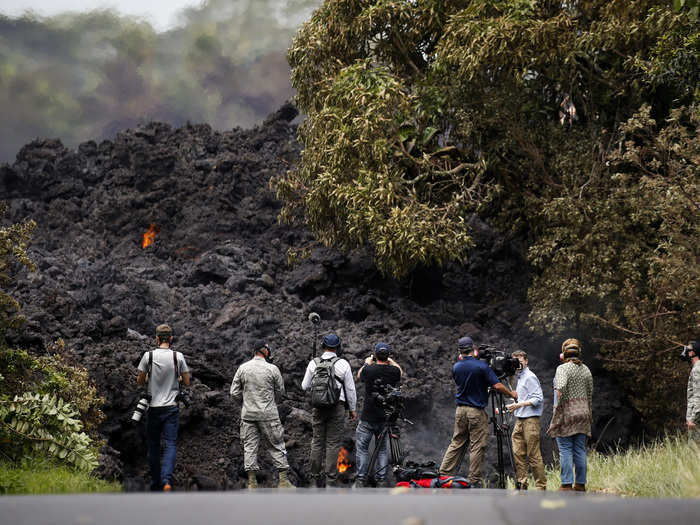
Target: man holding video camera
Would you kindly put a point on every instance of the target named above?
(379, 373)
(473, 379)
(526, 434)
(692, 415)
(163, 369)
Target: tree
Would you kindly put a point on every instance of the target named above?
(13, 250)
(570, 124)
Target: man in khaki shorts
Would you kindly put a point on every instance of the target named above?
(473, 379)
(526, 434)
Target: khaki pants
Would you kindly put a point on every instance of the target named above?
(472, 425)
(273, 432)
(526, 450)
(327, 425)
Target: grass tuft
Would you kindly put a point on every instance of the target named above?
(42, 476)
(668, 468)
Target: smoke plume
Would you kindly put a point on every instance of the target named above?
(86, 76)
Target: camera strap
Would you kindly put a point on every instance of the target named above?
(177, 370)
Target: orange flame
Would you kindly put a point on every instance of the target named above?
(150, 236)
(343, 461)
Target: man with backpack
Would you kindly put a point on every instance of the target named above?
(163, 369)
(329, 378)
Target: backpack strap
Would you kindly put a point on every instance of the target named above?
(150, 363)
(334, 360)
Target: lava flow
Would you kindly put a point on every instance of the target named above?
(150, 236)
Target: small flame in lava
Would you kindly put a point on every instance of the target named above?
(343, 460)
(150, 235)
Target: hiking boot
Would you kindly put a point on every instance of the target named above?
(578, 487)
(167, 487)
(359, 483)
(284, 482)
(252, 480)
(565, 487)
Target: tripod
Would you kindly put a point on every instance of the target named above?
(501, 428)
(396, 454)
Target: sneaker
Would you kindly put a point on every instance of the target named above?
(359, 484)
(167, 487)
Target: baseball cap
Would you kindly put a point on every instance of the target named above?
(465, 343)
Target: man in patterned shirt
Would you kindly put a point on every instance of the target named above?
(692, 415)
(573, 415)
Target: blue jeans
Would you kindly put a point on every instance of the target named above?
(363, 436)
(162, 421)
(572, 447)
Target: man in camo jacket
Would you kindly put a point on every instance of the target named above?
(692, 415)
(258, 383)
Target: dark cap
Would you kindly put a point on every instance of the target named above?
(331, 341)
(260, 343)
(382, 347)
(164, 330)
(465, 343)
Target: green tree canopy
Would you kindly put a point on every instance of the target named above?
(570, 123)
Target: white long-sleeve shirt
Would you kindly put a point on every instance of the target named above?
(341, 370)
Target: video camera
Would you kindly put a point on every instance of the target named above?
(391, 401)
(501, 362)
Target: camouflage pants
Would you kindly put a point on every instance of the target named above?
(328, 425)
(526, 450)
(472, 427)
(272, 432)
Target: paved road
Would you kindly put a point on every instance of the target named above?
(344, 507)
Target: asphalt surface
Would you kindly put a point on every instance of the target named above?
(341, 507)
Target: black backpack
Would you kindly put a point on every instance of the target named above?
(325, 392)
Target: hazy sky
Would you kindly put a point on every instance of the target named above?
(161, 13)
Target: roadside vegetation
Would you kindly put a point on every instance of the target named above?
(42, 476)
(668, 468)
(49, 408)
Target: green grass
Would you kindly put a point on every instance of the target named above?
(668, 468)
(41, 476)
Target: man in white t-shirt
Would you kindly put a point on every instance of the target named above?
(162, 369)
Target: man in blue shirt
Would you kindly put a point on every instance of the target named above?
(473, 379)
(526, 434)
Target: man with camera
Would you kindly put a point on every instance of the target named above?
(329, 378)
(258, 383)
(692, 415)
(379, 373)
(163, 369)
(526, 434)
(473, 379)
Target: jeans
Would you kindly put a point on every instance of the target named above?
(162, 421)
(363, 436)
(572, 447)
